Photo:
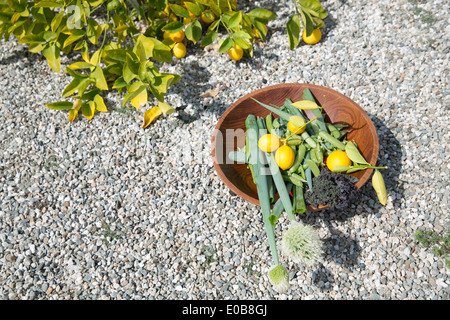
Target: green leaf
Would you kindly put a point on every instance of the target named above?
(173, 26)
(51, 52)
(293, 31)
(307, 22)
(74, 36)
(76, 84)
(119, 83)
(194, 31)
(353, 153)
(262, 15)
(117, 54)
(56, 21)
(93, 31)
(235, 20)
(242, 43)
(209, 38)
(60, 105)
(80, 65)
(132, 63)
(193, 7)
(180, 11)
(48, 4)
(99, 78)
(161, 52)
(88, 109)
(226, 44)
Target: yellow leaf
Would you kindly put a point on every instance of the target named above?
(73, 114)
(74, 111)
(305, 105)
(209, 94)
(140, 99)
(100, 104)
(85, 52)
(150, 115)
(95, 59)
(165, 107)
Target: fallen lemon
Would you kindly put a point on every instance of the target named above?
(313, 38)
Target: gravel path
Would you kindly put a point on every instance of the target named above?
(105, 210)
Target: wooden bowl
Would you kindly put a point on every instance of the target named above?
(231, 126)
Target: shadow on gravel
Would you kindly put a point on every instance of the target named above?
(342, 248)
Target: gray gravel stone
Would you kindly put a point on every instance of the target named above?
(107, 210)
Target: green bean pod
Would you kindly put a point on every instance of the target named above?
(335, 142)
(269, 123)
(308, 139)
(298, 158)
(333, 130)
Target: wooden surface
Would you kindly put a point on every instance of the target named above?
(338, 109)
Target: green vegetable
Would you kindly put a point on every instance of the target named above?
(353, 153)
(300, 206)
(334, 189)
(281, 186)
(308, 139)
(278, 208)
(298, 158)
(314, 168)
(335, 142)
(333, 131)
(281, 114)
(269, 124)
(307, 95)
(261, 182)
(237, 156)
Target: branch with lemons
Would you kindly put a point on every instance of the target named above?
(122, 48)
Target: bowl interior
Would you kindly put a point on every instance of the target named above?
(229, 133)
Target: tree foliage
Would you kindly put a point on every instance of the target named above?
(122, 43)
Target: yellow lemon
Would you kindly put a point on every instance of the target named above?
(296, 124)
(338, 158)
(206, 19)
(176, 37)
(236, 53)
(269, 142)
(179, 50)
(285, 157)
(313, 38)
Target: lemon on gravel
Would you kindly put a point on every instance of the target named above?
(313, 38)
(285, 157)
(179, 50)
(338, 158)
(296, 124)
(269, 142)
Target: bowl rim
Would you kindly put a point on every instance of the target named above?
(243, 195)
